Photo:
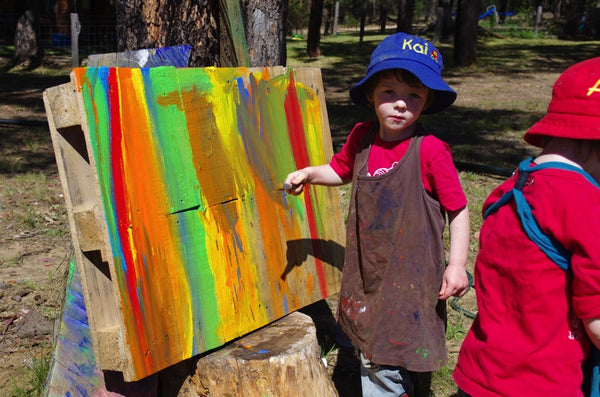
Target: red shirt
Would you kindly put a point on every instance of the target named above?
(526, 339)
(438, 173)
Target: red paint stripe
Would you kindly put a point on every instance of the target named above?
(300, 153)
(121, 207)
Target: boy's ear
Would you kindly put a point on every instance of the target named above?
(430, 99)
(370, 101)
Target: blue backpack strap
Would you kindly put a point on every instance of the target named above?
(552, 248)
(506, 197)
(595, 380)
(560, 166)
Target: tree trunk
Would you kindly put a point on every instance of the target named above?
(574, 11)
(313, 41)
(429, 10)
(282, 359)
(363, 18)
(220, 32)
(382, 18)
(439, 26)
(447, 27)
(502, 11)
(465, 42)
(265, 31)
(405, 16)
(62, 19)
(156, 23)
(328, 15)
(557, 10)
(336, 15)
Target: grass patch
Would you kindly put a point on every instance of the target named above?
(32, 380)
(11, 261)
(25, 149)
(457, 328)
(442, 381)
(30, 201)
(31, 284)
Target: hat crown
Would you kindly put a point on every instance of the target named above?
(577, 90)
(406, 47)
(574, 110)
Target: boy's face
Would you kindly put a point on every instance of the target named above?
(397, 105)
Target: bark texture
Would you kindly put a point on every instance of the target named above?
(405, 16)
(154, 23)
(313, 41)
(265, 31)
(465, 39)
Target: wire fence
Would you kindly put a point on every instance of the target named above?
(97, 35)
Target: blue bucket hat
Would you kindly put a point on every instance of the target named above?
(418, 56)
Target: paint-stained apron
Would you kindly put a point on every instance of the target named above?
(394, 265)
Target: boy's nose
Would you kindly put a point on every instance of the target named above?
(400, 104)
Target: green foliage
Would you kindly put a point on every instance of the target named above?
(298, 15)
(326, 353)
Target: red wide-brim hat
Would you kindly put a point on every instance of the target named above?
(574, 111)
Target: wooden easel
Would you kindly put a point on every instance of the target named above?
(279, 359)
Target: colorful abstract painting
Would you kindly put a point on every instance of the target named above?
(205, 247)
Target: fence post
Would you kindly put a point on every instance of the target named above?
(336, 16)
(75, 29)
(538, 19)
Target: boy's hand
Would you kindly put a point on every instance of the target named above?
(296, 180)
(454, 283)
(316, 175)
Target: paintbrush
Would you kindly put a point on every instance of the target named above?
(287, 186)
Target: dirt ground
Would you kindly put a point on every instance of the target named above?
(34, 232)
(34, 236)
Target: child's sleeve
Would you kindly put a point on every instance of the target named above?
(442, 174)
(343, 161)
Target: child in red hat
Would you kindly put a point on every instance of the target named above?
(395, 282)
(537, 273)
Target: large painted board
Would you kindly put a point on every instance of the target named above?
(200, 245)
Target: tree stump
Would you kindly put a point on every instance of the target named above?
(281, 359)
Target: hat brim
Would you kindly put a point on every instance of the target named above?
(444, 95)
(563, 125)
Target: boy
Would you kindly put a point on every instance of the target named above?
(539, 307)
(394, 281)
